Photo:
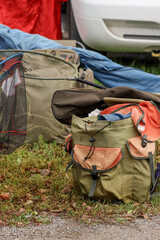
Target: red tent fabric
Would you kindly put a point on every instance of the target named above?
(33, 16)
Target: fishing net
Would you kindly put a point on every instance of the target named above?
(13, 118)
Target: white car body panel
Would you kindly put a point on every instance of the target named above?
(119, 25)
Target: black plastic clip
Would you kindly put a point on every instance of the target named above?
(144, 141)
(92, 140)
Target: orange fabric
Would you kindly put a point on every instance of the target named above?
(103, 158)
(115, 107)
(136, 149)
(151, 125)
(68, 143)
(33, 16)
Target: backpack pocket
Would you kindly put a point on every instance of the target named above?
(136, 149)
(144, 167)
(96, 171)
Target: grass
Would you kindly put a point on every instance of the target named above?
(150, 64)
(34, 186)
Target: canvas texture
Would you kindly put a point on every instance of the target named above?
(46, 71)
(123, 166)
(62, 64)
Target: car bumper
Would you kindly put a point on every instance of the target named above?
(118, 25)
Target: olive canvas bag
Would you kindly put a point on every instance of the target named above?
(46, 71)
(111, 160)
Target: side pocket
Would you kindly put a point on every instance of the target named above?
(144, 167)
(98, 176)
(136, 149)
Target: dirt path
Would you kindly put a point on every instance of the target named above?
(69, 229)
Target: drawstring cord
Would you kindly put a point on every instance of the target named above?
(91, 150)
(92, 140)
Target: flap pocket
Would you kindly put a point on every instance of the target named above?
(136, 150)
(103, 158)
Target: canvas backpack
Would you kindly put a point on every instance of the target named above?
(45, 72)
(113, 159)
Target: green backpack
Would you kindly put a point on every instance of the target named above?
(45, 72)
(109, 160)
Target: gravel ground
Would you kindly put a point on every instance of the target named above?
(69, 229)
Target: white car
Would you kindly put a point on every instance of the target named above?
(118, 25)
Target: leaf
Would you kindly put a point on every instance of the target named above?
(136, 204)
(67, 176)
(2, 178)
(5, 196)
(130, 212)
(21, 210)
(88, 209)
(86, 218)
(74, 205)
(48, 182)
(19, 223)
(11, 189)
(42, 190)
(28, 195)
(57, 210)
(67, 189)
(34, 170)
(145, 216)
(84, 204)
(45, 172)
(2, 223)
(49, 164)
(28, 202)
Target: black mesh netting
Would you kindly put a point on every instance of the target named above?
(13, 118)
